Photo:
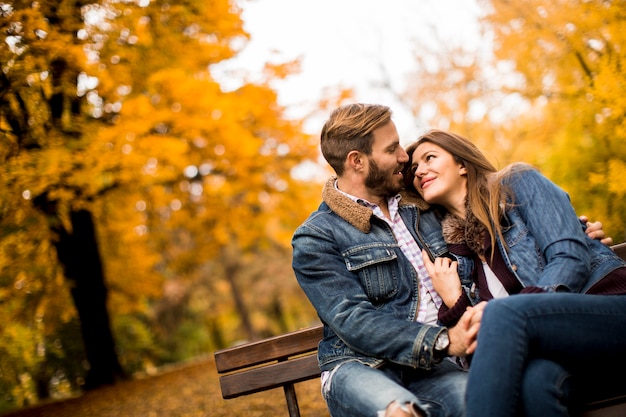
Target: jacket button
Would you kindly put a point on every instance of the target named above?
(514, 267)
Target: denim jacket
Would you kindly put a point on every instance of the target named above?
(547, 247)
(364, 289)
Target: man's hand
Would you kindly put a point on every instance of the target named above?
(594, 231)
(464, 334)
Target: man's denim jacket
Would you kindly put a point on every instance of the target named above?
(547, 247)
(364, 289)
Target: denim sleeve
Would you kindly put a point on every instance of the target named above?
(342, 304)
(550, 218)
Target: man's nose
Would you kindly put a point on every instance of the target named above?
(403, 157)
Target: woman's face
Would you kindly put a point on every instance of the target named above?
(438, 177)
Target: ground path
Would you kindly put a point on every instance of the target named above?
(189, 390)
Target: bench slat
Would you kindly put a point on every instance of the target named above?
(620, 250)
(268, 350)
(614, 407)
(271, 376)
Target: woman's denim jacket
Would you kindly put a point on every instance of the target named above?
(364, 289)
(547, 247)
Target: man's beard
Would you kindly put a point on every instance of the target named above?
(381, 182)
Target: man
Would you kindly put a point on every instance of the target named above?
(358, 260)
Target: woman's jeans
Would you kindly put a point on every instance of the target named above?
(355, 389)
(539, 352)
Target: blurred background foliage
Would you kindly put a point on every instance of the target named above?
(546, 86)
(141, 200)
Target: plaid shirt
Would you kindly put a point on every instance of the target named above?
(429, 301)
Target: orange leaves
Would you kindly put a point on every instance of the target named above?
(545, 87)
(282, 70)
(615, 181)
(574, 68)
(132, 126)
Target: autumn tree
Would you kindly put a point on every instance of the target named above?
(543, 86)
(42, 120)
(571, 57)
(130, 173)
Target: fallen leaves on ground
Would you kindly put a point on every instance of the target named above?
(190, 390)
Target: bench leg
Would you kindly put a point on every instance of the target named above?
(292, 401)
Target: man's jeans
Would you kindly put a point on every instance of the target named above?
(355, 389)
(535, 349)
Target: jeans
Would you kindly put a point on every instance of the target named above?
(533, 348)
(355, 389)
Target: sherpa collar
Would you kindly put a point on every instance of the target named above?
(469, 232)
(357, 215)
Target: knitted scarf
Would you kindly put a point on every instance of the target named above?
(469, 238)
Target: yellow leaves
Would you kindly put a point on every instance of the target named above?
(607, 81)
(573, 75)
(596, 179)
(282, 70)
(173, 168)
(18, 355)
(46, 171)
(616, 183)
(16, 342)
(556, 99)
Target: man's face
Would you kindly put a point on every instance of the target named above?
(384, 177)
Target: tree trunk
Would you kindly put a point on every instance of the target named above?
(78, 253)
(231, 269)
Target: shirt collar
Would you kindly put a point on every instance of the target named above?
(392, 202)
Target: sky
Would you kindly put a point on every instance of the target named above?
(345, 43)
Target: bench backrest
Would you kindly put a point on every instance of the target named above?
(272, 362)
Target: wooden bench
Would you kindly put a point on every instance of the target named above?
(285, 360)
(279, 361)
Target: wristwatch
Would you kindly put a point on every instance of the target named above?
(441, 346)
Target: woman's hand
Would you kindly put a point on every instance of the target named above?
(476, 314)
(445, 277)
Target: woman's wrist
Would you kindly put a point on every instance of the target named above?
(453, 298)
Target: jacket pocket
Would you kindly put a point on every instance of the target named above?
(377, 268)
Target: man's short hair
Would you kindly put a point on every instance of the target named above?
(350, 127)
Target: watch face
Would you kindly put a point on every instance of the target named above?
(443, 341)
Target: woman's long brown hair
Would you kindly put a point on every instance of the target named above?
(486, 195)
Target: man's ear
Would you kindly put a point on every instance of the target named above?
(354, 160)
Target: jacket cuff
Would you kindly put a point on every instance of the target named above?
(449, 316)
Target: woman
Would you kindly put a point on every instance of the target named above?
(523, 234)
